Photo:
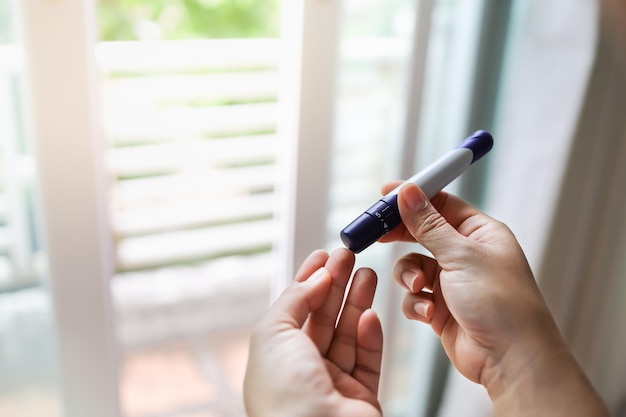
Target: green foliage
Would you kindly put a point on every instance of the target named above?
(188, 19)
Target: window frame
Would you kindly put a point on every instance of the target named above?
(59, 40)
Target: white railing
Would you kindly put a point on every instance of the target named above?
(191, 126)
(191, 129)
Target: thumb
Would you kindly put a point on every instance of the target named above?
(425, 223)
(301, 298)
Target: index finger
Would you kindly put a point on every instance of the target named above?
(321, 324)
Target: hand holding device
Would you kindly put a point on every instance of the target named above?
(384, 215)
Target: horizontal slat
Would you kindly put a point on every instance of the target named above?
(185, 215)
(228, 182)
(167, 56)
(167, 89)
(180, 156)
(191, 245)
(187, 55)
(142, 125)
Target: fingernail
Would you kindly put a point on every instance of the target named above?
(414, 197)
(421, 308)
(408, 277)
(318, 274)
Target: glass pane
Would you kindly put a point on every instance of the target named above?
(190, 120)
(371, 105)
(375, 48)
(28, 360)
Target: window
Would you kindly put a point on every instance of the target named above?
(187, 170)
(405, 82)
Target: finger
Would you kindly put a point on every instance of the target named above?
(420, 306)
(439, 202)
(452, 208)
(415, 272)
(296, 303)
(455, 210)
(427, 225)
(321, 324)
(461, 215)
(369, 351)
(342, 350)
(312, 263)
(402, 234)
(441, 314)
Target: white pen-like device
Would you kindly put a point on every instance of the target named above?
(384, 215)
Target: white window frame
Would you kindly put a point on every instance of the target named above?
(309, 70)
(59, 40)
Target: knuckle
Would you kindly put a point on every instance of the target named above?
(323, 318)
(400, 266)
(431, 223)
(407, 307)
(345, 338)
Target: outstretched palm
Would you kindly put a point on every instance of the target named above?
(323, 360)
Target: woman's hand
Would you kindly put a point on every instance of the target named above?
(478, 269)
(308, 360)
(479, 295)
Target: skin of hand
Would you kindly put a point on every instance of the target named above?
(309, 357)
(479, 295)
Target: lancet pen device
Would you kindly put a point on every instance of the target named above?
(384, 215)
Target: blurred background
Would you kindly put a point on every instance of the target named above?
(166, 165)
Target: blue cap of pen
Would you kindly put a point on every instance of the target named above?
(370, 226)
(479, 143)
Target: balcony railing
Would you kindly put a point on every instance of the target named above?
(191, 127)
